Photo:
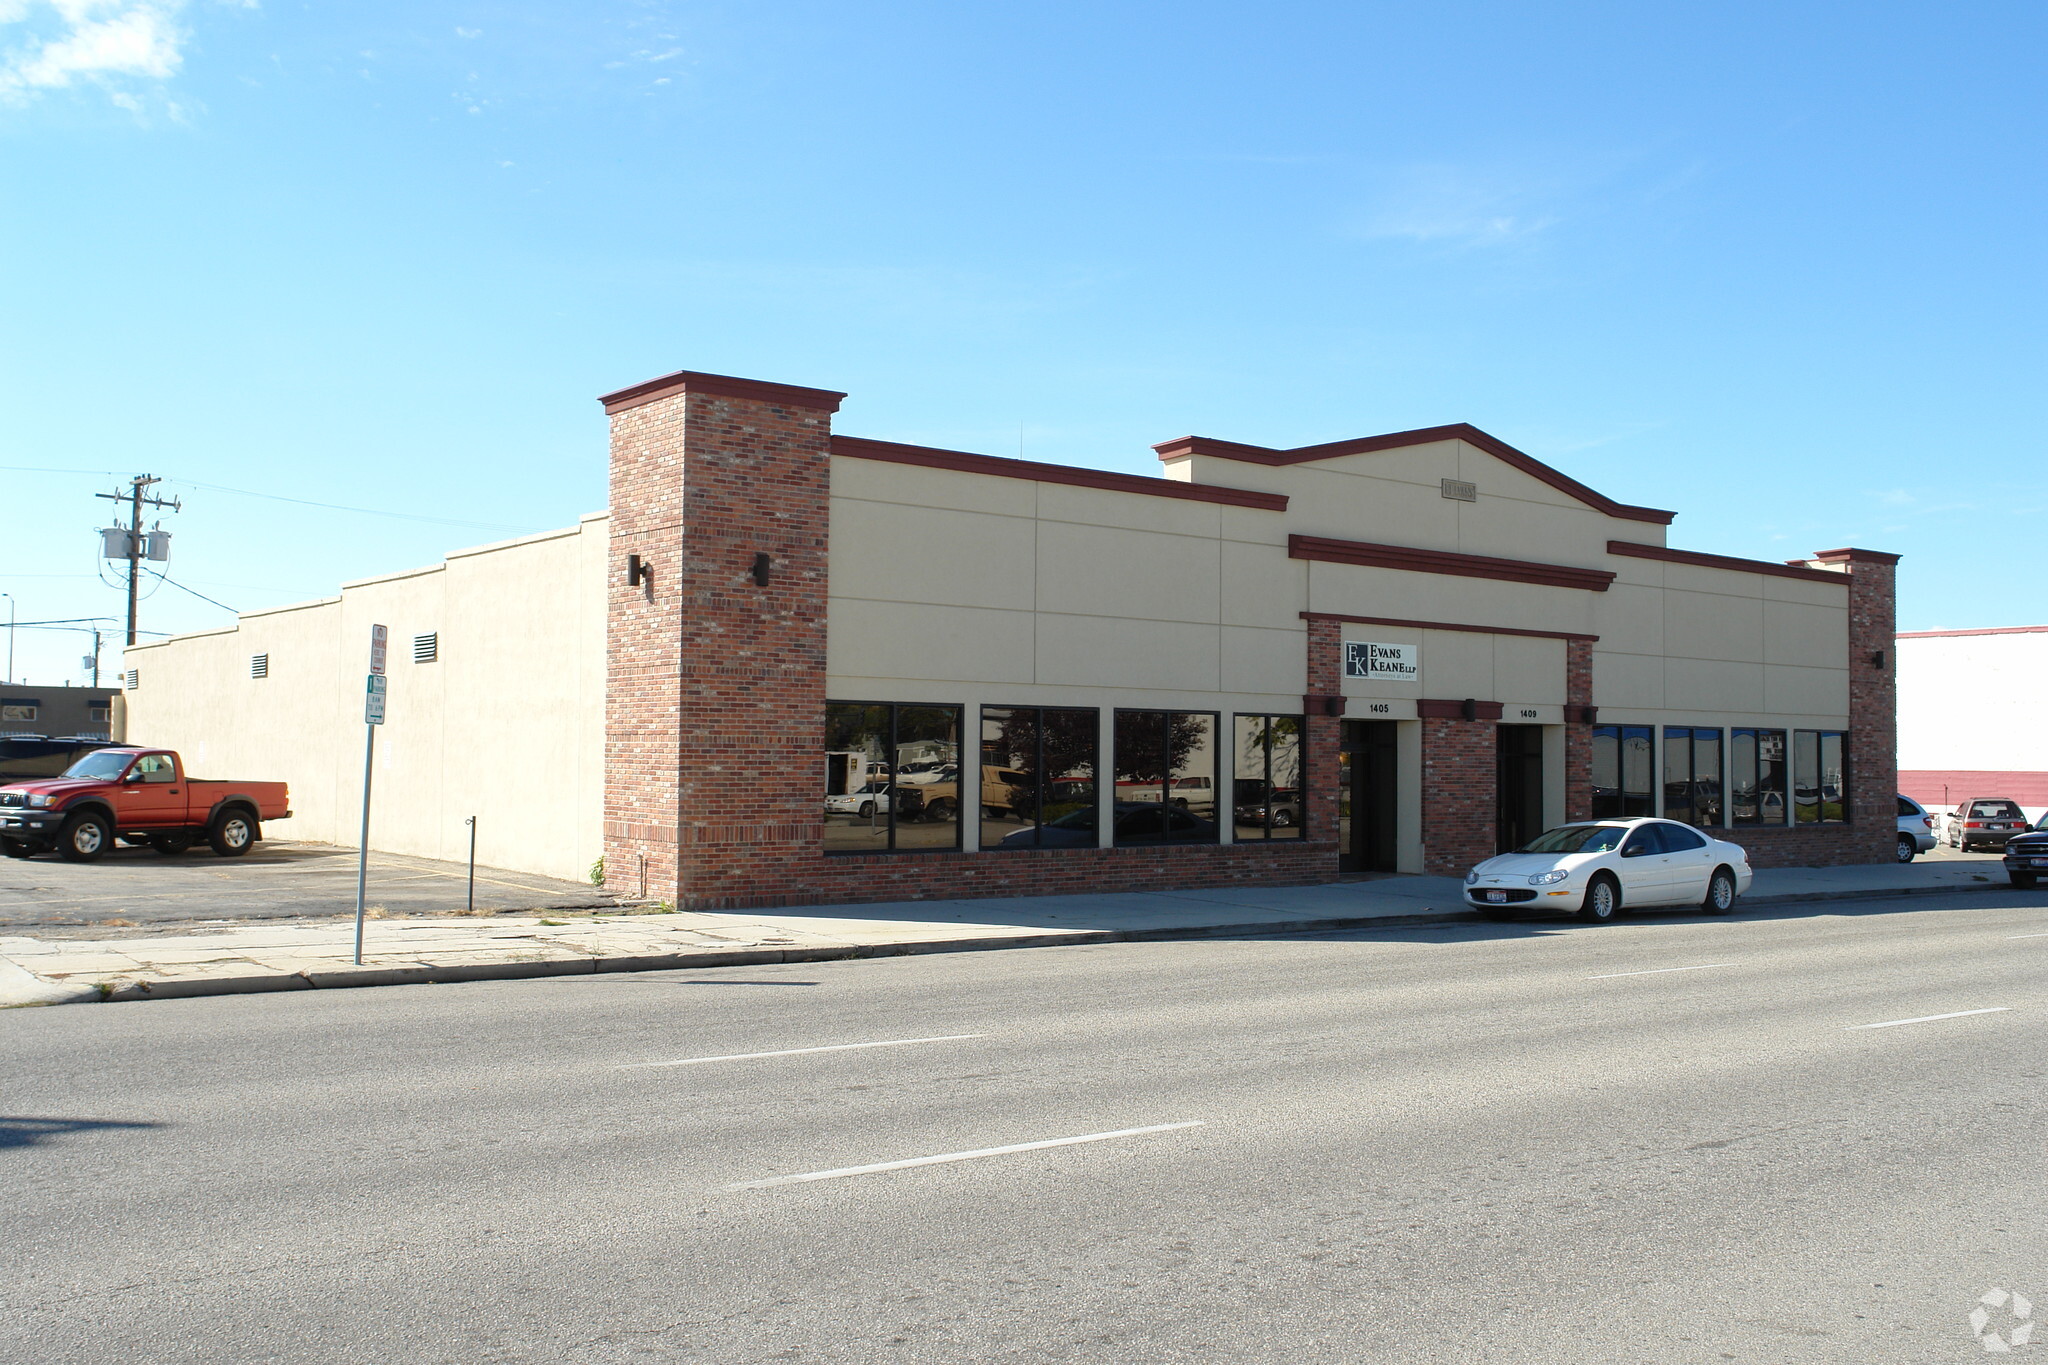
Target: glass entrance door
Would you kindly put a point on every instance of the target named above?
(1367, 797)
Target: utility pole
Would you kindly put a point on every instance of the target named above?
(134, 497)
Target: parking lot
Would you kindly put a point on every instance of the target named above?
(278, 879)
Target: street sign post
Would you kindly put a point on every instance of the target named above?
(373, 716)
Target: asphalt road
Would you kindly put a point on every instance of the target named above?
(278, 879)
(1673, 1139)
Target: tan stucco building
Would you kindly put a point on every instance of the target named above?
(790, 665)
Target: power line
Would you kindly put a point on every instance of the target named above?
(278, 497)
(338, 507)
(182, 588)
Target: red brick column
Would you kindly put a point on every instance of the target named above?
(1873, 704)
(715, 687)
(1325, 733)
(1578, 731)
(1460, 791)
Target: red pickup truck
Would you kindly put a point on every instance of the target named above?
(141, 795)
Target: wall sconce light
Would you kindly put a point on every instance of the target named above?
(1877, 658)
(761, 567)
(638, 572)
(1471, 709)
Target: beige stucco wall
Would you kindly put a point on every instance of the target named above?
(947, 584)
(506, 725)
(982, 590)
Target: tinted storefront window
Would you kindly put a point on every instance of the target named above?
(1622, 771)
(1820, 793)
(1037, 768)
(1267, 791)
(1692, 775)
(892, 777)
(1165, 777)
(1756, 778)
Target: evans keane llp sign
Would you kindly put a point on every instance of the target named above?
(1386, 663)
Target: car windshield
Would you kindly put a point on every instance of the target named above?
(104, 766)
(1576, 839)
(1083, 818)
(1995, 810)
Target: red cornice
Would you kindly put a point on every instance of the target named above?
(1457, 431)
(861, 448)
(1445, 562)
(1446, 625)
(1856, 557)
(724, 386)
(1985, 630)
(1632, 550)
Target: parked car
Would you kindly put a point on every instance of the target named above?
(1916, 829)
(1598, 867)
(134, 794)
(1137, 822)
(2026, 855)
(877, 797)
(1254, 801)
(41, 755)
(1985, 821)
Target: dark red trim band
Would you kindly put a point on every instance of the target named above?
(1436, 708)
(861, 448)
(1632, 550)
(1987, 630)
(1581, 715)
(1446, 625)
(724, 386)
(1457, 431)
(1445, 562)
(1856, 557)
(1321, 704)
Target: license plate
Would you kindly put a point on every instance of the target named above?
(1500, 897)
(2041, 862)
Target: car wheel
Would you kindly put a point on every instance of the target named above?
(170, 845)
(867, 810)
(1907, 849)
(941, 809)
(232, 834)
(84, 838)
(16, 848)
(1603, 901)
(2026, 881)
(1282, 819)
(1720, 893)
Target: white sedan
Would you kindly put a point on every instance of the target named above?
(1597, 867)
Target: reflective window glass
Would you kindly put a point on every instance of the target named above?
(1165, 761)
(1267, 793)
(891, 777)
(1037, 768)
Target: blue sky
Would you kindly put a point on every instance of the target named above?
(1776, 267)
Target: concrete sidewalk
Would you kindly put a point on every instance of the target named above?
(301, 956)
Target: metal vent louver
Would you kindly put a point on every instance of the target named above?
(426, 648)
(259, 665)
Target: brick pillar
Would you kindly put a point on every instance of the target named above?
(1460, 787)
(1578, 730)
(1873, 702)
(1325, 733)
(715, 684)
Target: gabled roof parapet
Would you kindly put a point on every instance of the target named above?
(860, 447)
(1457, 431)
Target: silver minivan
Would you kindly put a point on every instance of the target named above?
(1916, 829)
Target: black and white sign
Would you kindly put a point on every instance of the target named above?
(1387, 663)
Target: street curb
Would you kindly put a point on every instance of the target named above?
(55, 993)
